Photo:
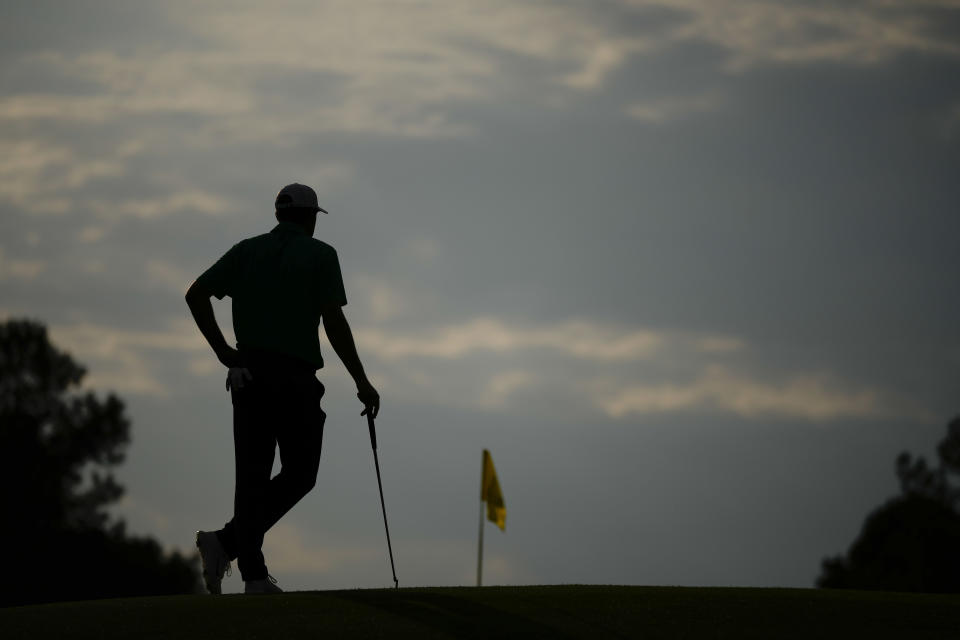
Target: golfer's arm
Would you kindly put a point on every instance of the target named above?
(341, 339)
(199, 302)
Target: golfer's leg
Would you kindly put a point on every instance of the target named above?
(299, 438)
(254, 445)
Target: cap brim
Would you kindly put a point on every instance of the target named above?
(322, 209)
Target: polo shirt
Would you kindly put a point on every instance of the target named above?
(279, 283)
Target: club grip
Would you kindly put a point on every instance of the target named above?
(373, 431)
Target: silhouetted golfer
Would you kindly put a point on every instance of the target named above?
(282, 284)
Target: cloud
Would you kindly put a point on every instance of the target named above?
(168, 276)
(422, 248)
(144, 514)
(25, 168)
(194, 200)
(811, 397)
(18, 269)
(91, 234)
(382, 300)
(577, 366)
(388, 69)
(121, 359)
(756, 32)
(599, 59)
(501, 386)
(391, 70)
(489, 364)
(49, 177)
(450, 371)
(660, 110)
(582, 339)
(38, 175)
(718, 344)
(202, 366)
(288, 549)
(372, 68)
(385, 68)
(190, 98)
(222, 85)
(285, 545)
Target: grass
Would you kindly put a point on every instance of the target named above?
(569, 611)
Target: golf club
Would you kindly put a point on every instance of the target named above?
(376, 462)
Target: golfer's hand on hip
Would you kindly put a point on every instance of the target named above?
(236, 377)
(369, 397)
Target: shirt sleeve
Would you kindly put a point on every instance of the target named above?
(331, 290)
(221, 279)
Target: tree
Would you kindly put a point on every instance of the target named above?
(911, 543)
(58, 447)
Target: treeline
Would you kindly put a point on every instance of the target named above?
(58, 447)
(911, 543)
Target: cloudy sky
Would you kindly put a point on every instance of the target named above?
(688, 269)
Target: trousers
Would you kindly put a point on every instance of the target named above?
(278, 409)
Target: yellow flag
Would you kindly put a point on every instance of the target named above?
(490, 491)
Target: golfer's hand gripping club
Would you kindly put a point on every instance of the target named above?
(370, 399)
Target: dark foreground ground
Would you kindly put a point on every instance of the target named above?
(494, 612)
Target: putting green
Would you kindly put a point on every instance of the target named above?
(568, 611)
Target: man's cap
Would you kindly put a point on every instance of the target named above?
(297, 195)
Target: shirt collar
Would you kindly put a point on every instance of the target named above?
(285, 227)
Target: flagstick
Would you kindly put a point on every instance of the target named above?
(480, 548)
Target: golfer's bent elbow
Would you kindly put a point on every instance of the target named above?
(195, 294)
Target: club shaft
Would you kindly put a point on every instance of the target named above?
(383, 506)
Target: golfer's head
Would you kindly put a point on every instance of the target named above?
(297, 203)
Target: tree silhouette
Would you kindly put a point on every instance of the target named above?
(57, 449)
(911, 543)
